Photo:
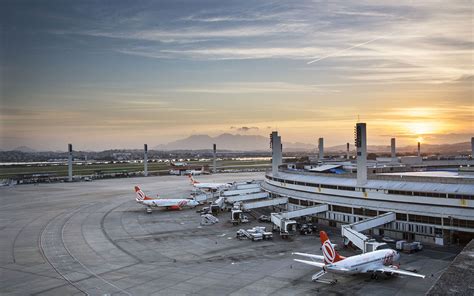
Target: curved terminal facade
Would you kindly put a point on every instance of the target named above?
(438, 210)
(431, 212)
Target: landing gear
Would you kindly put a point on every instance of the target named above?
(148, 210)
(374, 276)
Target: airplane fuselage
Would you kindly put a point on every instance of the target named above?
(380, 261)
(367, 262)
(169, 203)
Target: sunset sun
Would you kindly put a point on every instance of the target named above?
(422, 128)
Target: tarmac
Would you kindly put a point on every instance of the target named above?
(93, 238)
(458, 277)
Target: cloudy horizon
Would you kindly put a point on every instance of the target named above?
(107, 75)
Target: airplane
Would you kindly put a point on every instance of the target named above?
(197, 172)
(379, 261)
(194, 172)
(208, 186)
(168, 203)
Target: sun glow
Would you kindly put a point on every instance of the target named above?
(422, 128)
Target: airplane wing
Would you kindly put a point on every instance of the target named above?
(317, 264)
(312, 256)
(388, 269)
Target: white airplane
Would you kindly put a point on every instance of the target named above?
(380, 261)
(208, 186)
(196, 172)
(168, 203)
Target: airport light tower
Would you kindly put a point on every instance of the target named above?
(472, 148)
(321, 148)
(145, 160)
(347, 151)
(69, 163)
(361, 146)
(393, 150)
(214, 162)
(276, 146)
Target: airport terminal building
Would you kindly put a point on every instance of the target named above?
(432, 209)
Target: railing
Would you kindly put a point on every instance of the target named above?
(385, 177)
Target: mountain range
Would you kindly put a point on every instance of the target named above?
(229, 142)
(256, 143)
(239, 142)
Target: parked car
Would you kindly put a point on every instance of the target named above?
(407, 247)
(419, 246)
(399, 244)
(240, 234)
(388, 239)
(306, 229)
(313, 227)
(412, 247)
(204, 210)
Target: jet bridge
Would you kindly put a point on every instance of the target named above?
(220, 202)
(241, 191)
(247, 186)
(236, 198)
(304, 212)
(283, 221)
(265, 203)
(352, 232)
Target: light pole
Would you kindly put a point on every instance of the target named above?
(450, 230)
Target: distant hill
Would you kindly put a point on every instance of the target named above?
(24, 149)
(230, 142)
(440, 148)
(425, 148)
(239, 142)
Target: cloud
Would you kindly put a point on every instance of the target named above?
(245, 128)
(251, 16)
(196, 33)
(384, 43)
(257, 87)
(178, 63)
(222, 53)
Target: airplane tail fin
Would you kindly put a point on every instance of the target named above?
(330, 254)
(141, 196)
(191, 179)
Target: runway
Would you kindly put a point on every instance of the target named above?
(93, 238)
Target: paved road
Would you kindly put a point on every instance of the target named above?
(93, 238)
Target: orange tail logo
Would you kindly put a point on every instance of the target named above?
(329, 253)
(141, 196)
(192, 180)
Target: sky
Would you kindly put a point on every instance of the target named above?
(117, 74)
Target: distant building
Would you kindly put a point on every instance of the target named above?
(122, 156)
(189, 170)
